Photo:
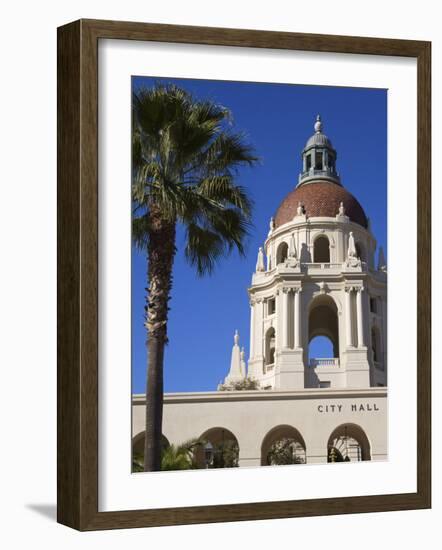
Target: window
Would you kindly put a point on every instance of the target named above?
(375, 344)
(270, 346)
(373, 305)
(308, 162)
(271, 306)
(360, 252)
(282, 253)
(318, 161)
(321, 250)
(325, 384)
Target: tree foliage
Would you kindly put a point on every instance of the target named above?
(285, 451)
(185, 162)
(247, 383)
(173, 457)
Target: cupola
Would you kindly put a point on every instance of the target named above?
(318, 158)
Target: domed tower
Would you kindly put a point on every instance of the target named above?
(319, 279)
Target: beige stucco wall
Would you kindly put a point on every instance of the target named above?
(250, 415)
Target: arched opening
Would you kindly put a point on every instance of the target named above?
(282, 253)
(270, 342)
(348, 443)
(219, 449)
(323, 322)
(360, 252)
(320, 347)
(283, 445)
(376, 344)
(138, 450)
(321, 250)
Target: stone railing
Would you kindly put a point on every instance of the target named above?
(328, 266)
(326, 172)
(333, 362)
(311, 268)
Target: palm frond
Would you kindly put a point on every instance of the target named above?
(185, 163)
(141, 232)
(223, 190)
(203, 248)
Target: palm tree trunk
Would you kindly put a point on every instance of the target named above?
(161, 253)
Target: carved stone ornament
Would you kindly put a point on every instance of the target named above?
(323, 288)
(260, 267)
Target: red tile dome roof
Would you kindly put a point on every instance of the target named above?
(320, 198)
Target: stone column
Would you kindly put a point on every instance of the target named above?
(259, 338)
(252, 328)
(297, 318)
(285, 318)
(348, 319)
(360, 317)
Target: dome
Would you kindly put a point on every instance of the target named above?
(320, 198)
(318, 140)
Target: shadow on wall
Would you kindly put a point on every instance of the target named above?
(305, 255)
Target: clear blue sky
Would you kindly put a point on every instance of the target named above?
(278, 119)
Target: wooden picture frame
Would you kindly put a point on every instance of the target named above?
(77, 461)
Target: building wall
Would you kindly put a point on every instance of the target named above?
(251, 415)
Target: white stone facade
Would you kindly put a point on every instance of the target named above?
(283, 299)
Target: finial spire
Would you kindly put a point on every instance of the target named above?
(237, 370)
(243, 362)
(382, 264)
(318, 124)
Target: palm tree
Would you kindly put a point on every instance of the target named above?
(180, 457)
(173, 457)
(185, 163)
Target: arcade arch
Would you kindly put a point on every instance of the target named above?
(283, 445)
(348, 442)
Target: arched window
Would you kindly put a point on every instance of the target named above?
(360, 252)
(282, 253)
(270, 347)
(323, 322)
(321, 250)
